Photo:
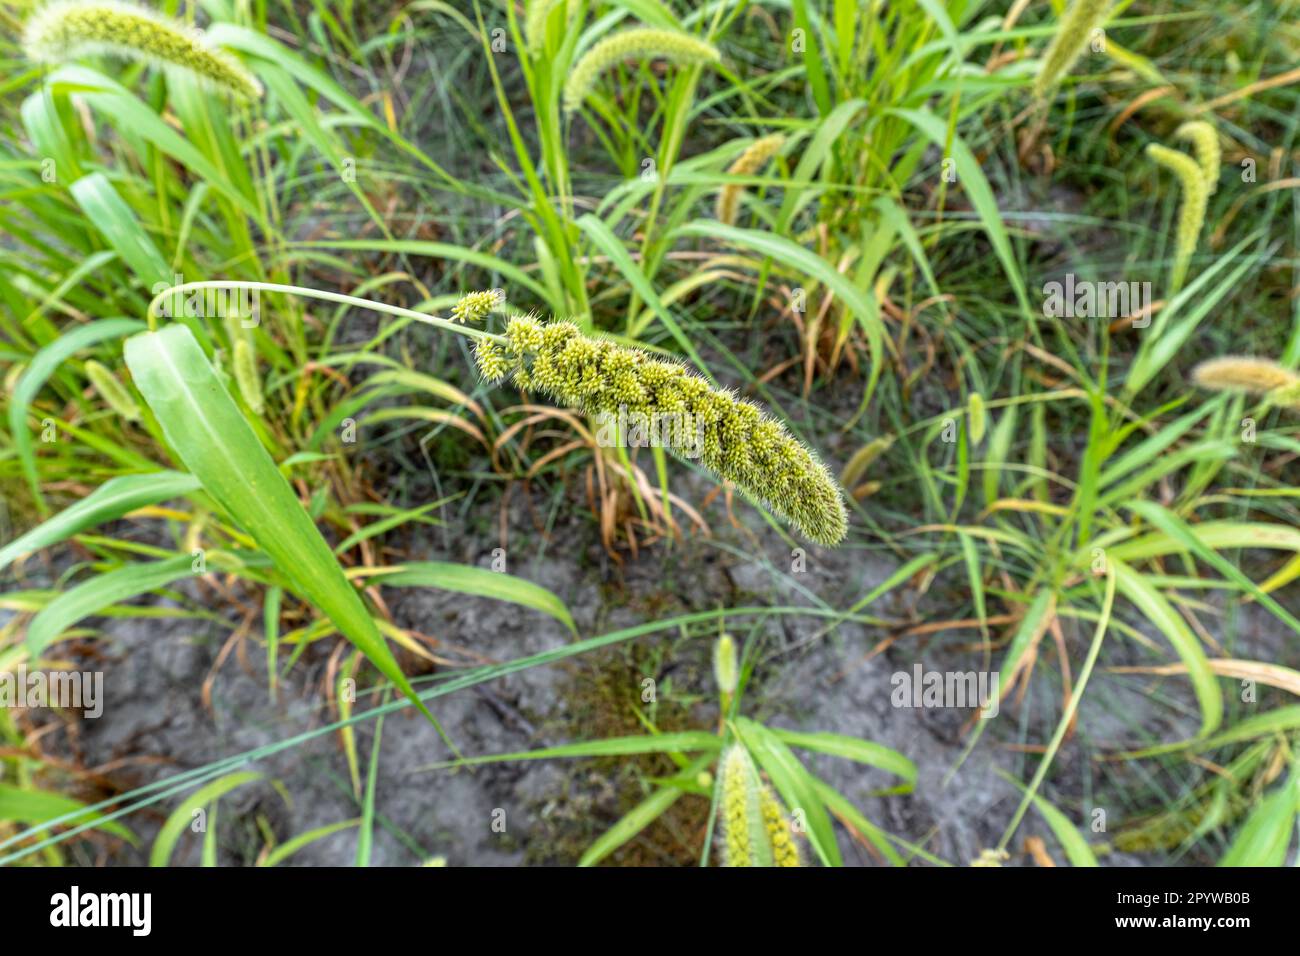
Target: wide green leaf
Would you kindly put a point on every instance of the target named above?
(202, 423)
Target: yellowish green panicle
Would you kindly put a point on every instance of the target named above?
(475, 306)
(750, 162)
(1205, 144)
(1258, 376)
(1191, 214)
(72, 28)
(637, 43)
(780, 832)
(112, 391)
(744, 830)
(730, 436)
(1069, 42)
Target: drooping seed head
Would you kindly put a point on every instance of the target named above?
(750, 162)
(730, 436)
(72, 28)
(637, 43)
(1191, 214)
(1205, 144)
(1069, 42)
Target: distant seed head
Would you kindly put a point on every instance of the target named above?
(730, 436)
(112, 391)
(71, 28)
(750, 162)
(1069, 42)
(725, 671)
(1205, 144)
(1241, 374)
(637, 43)
(1191, 214)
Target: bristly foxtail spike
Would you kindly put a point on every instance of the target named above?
(70, 28)
(730, 436)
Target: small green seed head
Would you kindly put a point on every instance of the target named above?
(112, 391)
(1069, 42)
(476, 306)
(725, 670)
(1205, 144)
(1191, 214)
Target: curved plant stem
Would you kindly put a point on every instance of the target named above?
(433, 320)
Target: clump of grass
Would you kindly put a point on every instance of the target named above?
(1256, 376)
(1191, 214)
(64, 30)
(753, 159)
(1068, 43)
(1205, 145)
(732, 437)
(754, 828)
(635, 43)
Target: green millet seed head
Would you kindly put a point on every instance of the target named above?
(476, 306)
(1069, 42)
(1205, 144)
(1243, 374)
(637, 43)
(72, 28)
(730, 436)
(112, 391)
(725, 671)
(751, 161)
(1191, 214)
